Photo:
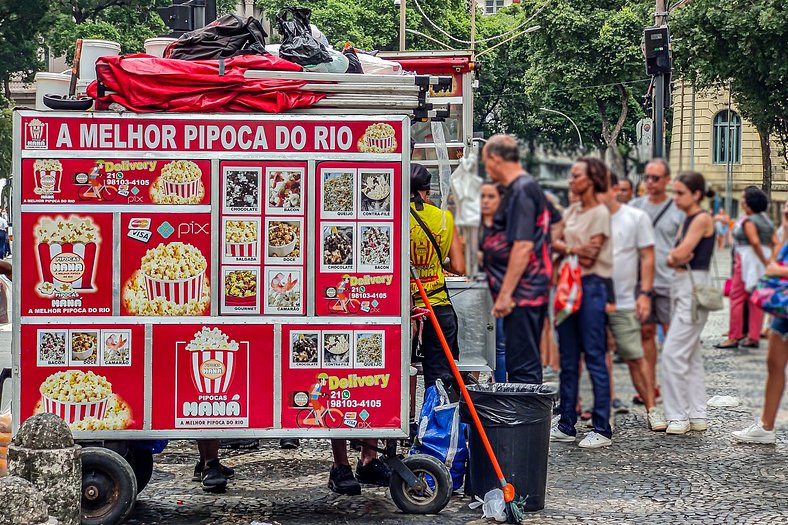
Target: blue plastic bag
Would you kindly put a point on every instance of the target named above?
(442, 434)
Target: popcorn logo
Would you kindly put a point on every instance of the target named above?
(378, 138)
(48, 174)
(212, 360)
(36, 135)
(67, 251)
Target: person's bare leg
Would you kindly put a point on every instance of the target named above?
(339, 450)
(209, 449)
(638, 371)
(775, 380)
(648, 333)
(369, 453)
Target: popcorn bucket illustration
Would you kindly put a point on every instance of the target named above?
(212, 369)
(71, 263)
(243, 249)
(75, 412)
(184, 190)
(48, 181)
(178, 291)
(383, 143)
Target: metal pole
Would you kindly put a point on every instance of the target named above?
(681, 130)
(402, 25)
(728, 167)
(659, 92)
(692, 131)
(473, 25)
(579, 137)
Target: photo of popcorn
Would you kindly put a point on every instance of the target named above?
(241, 238)
(338, 194)
(118, 416)
(67, 251)
(376, 193)
(378, 138)
(336, 348)
(172, 280)
(116, 348)
(84, 348)
(180, 182)
(284, 240)
(242, 189)
(375, 249)
(51, 348)
(212, 360)
(369, 350)
(74, 395)
(283, 190)
(284, 291)
(48, 173)
(303, 349)
(240, 287)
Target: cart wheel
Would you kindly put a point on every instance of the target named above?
(141, 462)
(109, 487)
(435, 490)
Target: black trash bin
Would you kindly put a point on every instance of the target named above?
(516, 418)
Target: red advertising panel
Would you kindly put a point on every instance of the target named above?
(43, 132)
(92, 376)
(115, 181)
(67, 261)
(165, 263)
(341, 377)
(263, 220)
(213, 376)
(359, 236)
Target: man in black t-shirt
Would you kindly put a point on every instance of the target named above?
(517, 258)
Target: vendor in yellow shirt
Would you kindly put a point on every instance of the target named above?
(435, 246)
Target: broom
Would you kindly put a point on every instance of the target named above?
(514, 505)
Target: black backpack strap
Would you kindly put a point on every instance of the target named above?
(661, 213)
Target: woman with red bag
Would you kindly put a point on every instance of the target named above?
(762, 431)
(586, 234)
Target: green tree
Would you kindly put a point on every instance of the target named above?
(128, 22)
(19, 40)
(739, 44)
(586, 61)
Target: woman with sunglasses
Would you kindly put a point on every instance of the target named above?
(683, 388)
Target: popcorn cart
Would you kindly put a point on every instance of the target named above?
(186, 276)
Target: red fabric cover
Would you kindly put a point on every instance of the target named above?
(144, 83)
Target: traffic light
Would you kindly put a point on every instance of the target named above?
(187, 15)
(657, 50)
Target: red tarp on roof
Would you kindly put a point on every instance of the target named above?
(143, 83)
(436, 66)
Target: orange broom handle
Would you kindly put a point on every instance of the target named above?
(508, 494)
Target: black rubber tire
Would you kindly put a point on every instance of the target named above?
(422, 465)
(109, 487)
(141, 462)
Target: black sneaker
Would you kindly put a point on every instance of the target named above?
(373, 473)
(212, 478)
(342, 481)
(227, 472)
(289, 443)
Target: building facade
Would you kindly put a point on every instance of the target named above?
(709, 135)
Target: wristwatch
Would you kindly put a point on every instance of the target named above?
(647, 293)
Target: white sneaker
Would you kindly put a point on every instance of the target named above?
(594, 440)
(656, 420)
(698, 424)
(755, 433)
(557, 435)
(678, 427)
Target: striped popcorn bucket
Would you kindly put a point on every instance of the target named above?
(244, 249)
(212, 370)
(75, 412)
(185, 190)
(179, 291)
(68, 263)
(48, 181)
(381, 143)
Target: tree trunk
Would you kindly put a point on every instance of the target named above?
(766, 159)
(613, 155)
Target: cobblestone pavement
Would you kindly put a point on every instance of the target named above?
(644, 477)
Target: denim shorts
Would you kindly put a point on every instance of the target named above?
(780, 327)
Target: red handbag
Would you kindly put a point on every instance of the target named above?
(569, 290)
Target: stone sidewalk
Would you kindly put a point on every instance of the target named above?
(644, 477)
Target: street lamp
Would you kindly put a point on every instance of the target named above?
(579, 137)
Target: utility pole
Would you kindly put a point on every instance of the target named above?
(402, 25)
(660, 17)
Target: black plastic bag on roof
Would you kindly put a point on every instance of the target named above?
(353, 63)
(298, 44)
(225, 37)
